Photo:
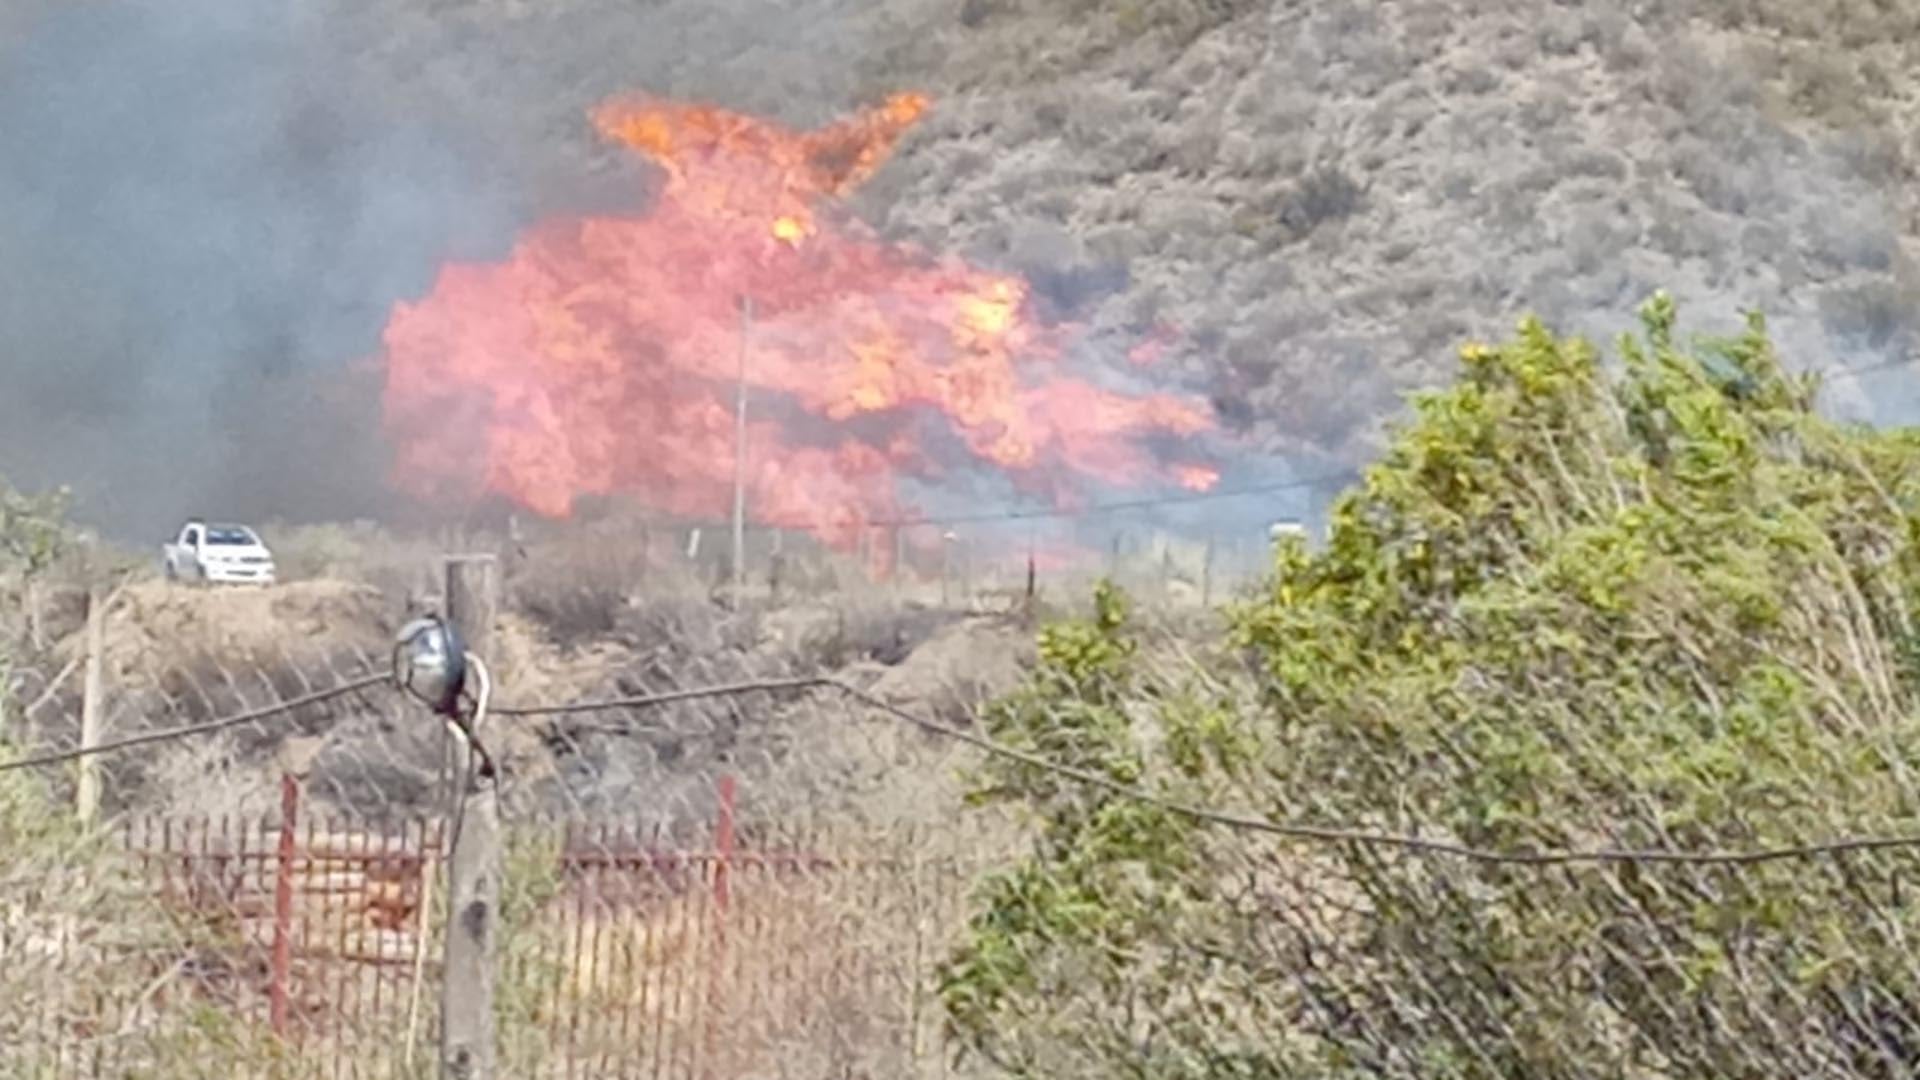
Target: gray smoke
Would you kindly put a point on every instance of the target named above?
(208, 208)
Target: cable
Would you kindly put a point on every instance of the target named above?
(1133, 504)
(1332, 834)
(1827, 374)
(169, 734)
(479, 764)
(471, 733)
(667, 698)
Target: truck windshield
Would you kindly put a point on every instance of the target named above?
(230, 536)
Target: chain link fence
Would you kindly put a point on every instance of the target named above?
(309, 947)
(750, 883)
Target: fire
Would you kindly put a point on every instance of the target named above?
(1196, 477)
(789, 230)
(603, 355)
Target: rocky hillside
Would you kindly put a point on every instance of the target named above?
(1321, 197)
(1315, 200)
(1326, 196)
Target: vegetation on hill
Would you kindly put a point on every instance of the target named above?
(1322, 196)
(1668, 609)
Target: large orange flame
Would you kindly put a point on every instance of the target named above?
(602, 356)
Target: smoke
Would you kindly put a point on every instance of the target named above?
(209, 207)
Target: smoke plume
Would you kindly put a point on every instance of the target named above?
(208, 209)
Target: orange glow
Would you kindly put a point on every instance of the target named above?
(789, 230)
(1196, 477)
(1151, 349)
(601, 356)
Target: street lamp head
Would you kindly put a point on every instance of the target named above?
(430, 662)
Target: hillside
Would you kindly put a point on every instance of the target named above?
(1307, 204)
(1325, 197)
(1320, 198)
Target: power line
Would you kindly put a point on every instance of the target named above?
(1131, 504)
(1339, 476)
(1326, 834)
(665, 698)
(1865, 369)
(1330, 834)
(189, 730)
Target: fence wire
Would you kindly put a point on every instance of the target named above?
(725, 885)
(307, 946)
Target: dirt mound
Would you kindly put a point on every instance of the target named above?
(958, 668)
(180, 655)
(154, 626)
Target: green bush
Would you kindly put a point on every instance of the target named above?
(1666, 610)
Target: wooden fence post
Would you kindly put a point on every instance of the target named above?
(283, 906)
(92, 705)
(1206, 574)
(1032, 579)
(899, 560)
(467, 1050)
(776, 564)
(946, 568)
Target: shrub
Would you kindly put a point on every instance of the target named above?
(1671, 610)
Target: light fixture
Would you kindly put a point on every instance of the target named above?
(430, 662)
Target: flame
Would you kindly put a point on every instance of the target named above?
(1153, 348)
(603, 355)
(1196, 477)
(789, 230)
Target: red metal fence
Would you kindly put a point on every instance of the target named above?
(307, 947)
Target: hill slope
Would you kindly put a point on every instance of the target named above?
(1316, 199)
(1326, 196)
(1321, 197)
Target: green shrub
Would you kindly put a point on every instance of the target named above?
(1667, 610)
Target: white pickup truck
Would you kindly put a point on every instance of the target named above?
(218, 555)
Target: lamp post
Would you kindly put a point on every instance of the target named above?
(740, 458)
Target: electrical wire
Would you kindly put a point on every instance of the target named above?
(1301, 483)
(1830, 374)
(479, 764)
(1335, 834)
(191, 730)
(1329, 834)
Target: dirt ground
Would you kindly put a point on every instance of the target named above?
(177, 654)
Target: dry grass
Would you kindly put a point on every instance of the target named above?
(809, 969)
(819, 962)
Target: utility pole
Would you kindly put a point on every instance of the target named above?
(473, 867)
(740, 458)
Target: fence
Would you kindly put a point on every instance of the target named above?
(756, 954)
(267, 896)
(1203, 897)
(966, 565)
